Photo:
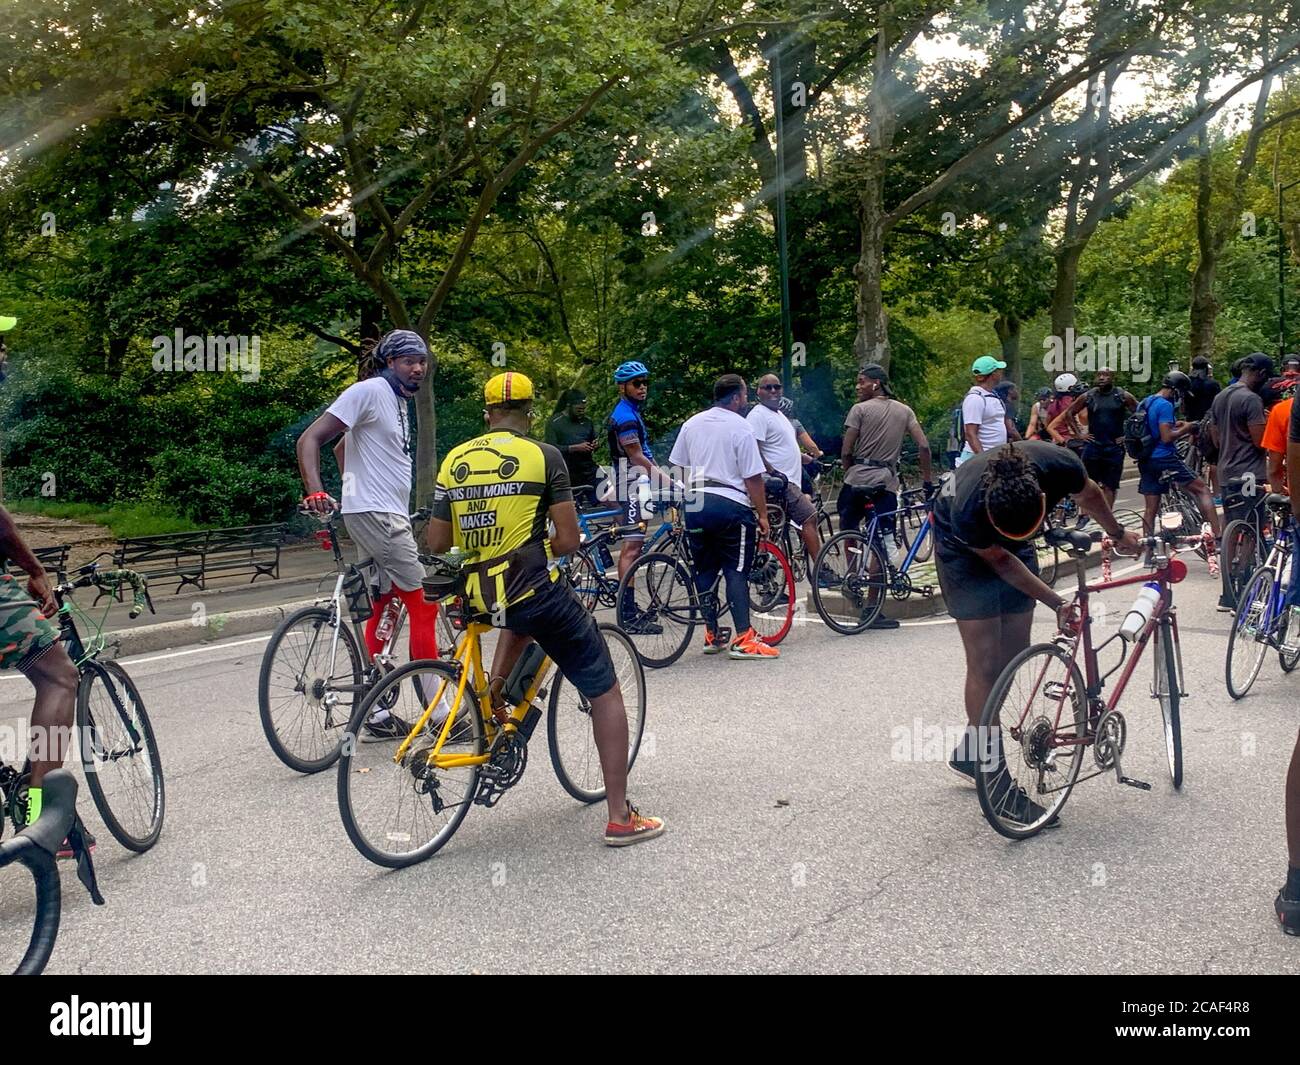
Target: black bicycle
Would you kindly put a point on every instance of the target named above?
(30, 893)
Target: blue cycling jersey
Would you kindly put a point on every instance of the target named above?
(623, 424)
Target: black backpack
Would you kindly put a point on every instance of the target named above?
(1138, 440)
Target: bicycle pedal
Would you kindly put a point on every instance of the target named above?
(1141, 785)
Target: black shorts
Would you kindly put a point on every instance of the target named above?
(972, 590)
(1105, 464)
(856, 503)
(567, 632)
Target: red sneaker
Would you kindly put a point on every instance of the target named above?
(749, 645)
(637, 830)
(716, 642)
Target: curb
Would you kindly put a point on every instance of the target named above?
(168, 634)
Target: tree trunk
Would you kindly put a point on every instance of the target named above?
(1007, 327)
(872, 341)
(1204, 307)
(1067, 282)
(116, 355)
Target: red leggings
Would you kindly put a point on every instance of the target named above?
(422, 625)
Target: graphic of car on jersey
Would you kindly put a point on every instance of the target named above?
(506, 465)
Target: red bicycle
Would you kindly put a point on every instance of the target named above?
(1044, 714)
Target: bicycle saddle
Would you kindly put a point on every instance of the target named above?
(58, 797)
(1277, 499)
(1071, 539)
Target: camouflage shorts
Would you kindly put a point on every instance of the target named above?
(24, 634)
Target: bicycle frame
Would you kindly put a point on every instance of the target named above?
(874, 535)
(469, 663)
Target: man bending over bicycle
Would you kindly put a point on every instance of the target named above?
(377, 489)
(493, 498)
(1287, 903)
(29, 642)
(987, 514)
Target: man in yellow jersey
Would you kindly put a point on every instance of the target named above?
(493, 498)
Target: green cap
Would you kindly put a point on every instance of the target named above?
(986, 364)
(7, 323)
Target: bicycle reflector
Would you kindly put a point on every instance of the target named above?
(323, 535)
(1177, 570)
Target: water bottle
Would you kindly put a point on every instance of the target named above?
(388, 621)
(643, 494)
(1141, 610)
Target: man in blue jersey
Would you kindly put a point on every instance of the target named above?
(1166, 430)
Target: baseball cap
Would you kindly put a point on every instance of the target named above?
(875, 371)
(1200, 361)
(1257, 360)
(7, 323)
(507, 387)
(986, 364)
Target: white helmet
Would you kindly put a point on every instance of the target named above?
(1065, 382)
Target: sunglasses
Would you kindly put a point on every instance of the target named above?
(771, 388)
(640, 382)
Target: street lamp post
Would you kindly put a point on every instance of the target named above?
(1281, 269)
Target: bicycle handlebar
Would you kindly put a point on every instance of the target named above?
(91, 574)
(58, 800)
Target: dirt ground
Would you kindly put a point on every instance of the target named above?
(85, 540)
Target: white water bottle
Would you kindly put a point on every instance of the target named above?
(1140, 612)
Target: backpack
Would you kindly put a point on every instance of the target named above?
(1138, 439)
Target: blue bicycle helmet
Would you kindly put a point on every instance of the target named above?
(630, 370)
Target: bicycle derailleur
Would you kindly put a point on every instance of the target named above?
(507, 760)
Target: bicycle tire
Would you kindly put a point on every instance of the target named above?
(859, 592)
(1239, 556)
(1049, 569)
(771, 592)
(1166, 677)
(914, 523)
(396, 775)
(987, 774)
(47, 908)
(569, 735)
(335, 718)
(584, 579)
(126, 726)
(669, 602)
(1253, 606)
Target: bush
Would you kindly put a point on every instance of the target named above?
(212, 489)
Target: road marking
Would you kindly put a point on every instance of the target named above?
(172, 654)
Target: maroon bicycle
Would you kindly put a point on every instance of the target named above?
(1045, 714)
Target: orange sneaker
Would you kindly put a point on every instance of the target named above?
(637, 830)
(748, 645)
(716, 642)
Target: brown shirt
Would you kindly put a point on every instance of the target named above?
(881, 423)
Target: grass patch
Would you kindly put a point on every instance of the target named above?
(122, 519)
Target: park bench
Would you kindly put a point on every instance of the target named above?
(54, 559)
(193, 557)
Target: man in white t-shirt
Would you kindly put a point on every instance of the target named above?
(984, 418)
(778, 444)
(726, 471)
(376, 492)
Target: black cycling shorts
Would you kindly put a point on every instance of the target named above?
(972, 590)
(1105, 464)
(566, 631)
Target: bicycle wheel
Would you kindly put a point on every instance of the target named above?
(771, 594)
(120, 755)
(1288, 660)
(1129, 519)
(303, 713)
(1165, 688)
(657, 608)
(401, 811)
(568, 721)
(585, 579)
(912, 526)
(850, 582)
(30, 904)
(796, 554)
(1248, 641)
(1028, 764)
(1240, 556)
(1049, 563)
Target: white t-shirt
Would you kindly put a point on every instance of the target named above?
(985, 409)
(777, 441)
(376, 467)
(718, 445)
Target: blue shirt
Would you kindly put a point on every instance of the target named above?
(623, 425)
(1160, 410)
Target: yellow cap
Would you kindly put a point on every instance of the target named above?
(505, 387)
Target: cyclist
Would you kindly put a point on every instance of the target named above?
(1274, 444)
(1009, 393)
(494, 496)
(778, 445)
(1066, 429)
(634, 470)
(873, 440)
(29, 642)
(984, 419)
(1103, 449)
(986, 516)
(1038, 419)
(376, 449)
(572, 432)
(1196, 408)
(721, 452)
(809, 452)
(1165, 431)
(1287, 904)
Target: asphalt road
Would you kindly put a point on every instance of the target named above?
(807, 830)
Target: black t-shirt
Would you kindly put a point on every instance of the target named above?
(960, 511)
(1294, 434)
(1200, 397)
(562, 431)
(1106, 414)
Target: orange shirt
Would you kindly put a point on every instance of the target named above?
(1275, 432)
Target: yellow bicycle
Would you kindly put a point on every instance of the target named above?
(403, 798)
